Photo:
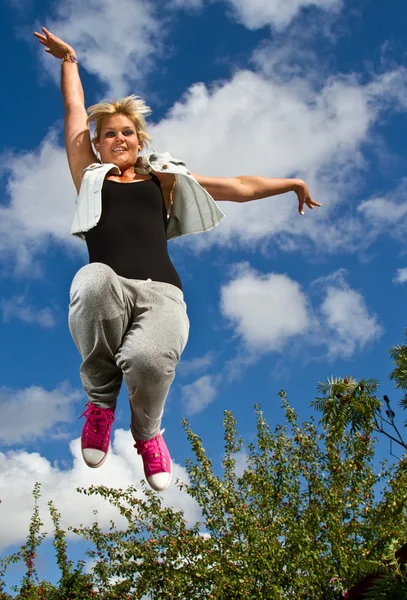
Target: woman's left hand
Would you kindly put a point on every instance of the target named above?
(304, 196)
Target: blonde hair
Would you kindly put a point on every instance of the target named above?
(132, 107)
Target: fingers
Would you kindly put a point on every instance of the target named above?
(304, 198)
(44, 39)
(41, 36)
(311, 204)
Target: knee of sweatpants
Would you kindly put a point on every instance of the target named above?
(94, 285)
(152, 367)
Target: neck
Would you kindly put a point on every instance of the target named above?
(127, 172)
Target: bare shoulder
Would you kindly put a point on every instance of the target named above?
(166, 180)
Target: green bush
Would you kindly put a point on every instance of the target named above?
(310, 515)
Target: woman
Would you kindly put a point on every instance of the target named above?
(127, 314)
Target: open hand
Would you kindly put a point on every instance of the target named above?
(53, 44)
(304, 197)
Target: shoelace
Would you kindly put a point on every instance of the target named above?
(98, 422)
(143, 447)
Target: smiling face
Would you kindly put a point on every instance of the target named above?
(118, 142)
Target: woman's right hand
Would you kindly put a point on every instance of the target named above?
(53, 44)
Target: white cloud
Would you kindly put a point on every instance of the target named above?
(241, 459)
(189, 367)
(17, 308)
(277, 13)
(401, 276)
(198, 395)
(387, 91)
(385, 212)
(32, 413)
(41, 189)
(117, 42)
(266, 310)
(41, 203)
(386, 215)
(347, 322)
(20, 470)
(255, 14)
(276, 127)
(253, 124)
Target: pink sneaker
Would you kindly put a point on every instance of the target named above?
(96, 434)
(156, 460)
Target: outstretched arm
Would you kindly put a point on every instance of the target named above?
(77, 136)
(246, 188)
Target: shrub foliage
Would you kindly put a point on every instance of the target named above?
(311, 513)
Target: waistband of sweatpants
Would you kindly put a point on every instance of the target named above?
(168, 289)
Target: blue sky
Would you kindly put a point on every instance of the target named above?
(276, 88)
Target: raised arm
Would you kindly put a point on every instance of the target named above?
(77, 135)
(246, 188)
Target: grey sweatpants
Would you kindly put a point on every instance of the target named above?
(128, 328)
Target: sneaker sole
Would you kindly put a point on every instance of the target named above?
(99, 464)
(164, 488)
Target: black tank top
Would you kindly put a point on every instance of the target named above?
(130, 236)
